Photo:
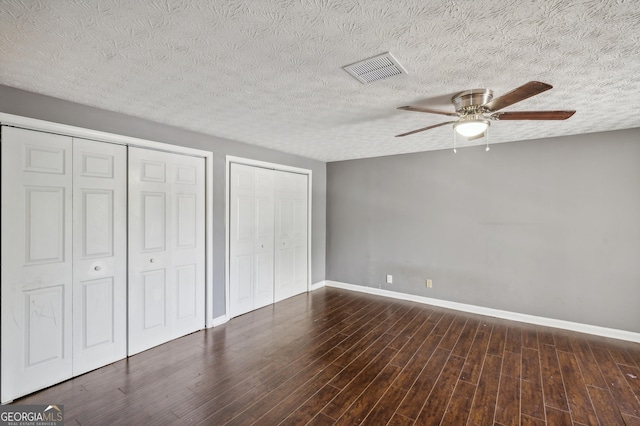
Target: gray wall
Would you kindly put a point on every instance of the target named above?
(18, 102)
(548, 227)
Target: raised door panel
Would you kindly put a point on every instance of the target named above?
(98, 316)
(44, 333)
(154, 300)
(241, 286)
(153, 206)
(284, 273)
(45, 231)
(97, 223)
(36, 261)
(186, 221)
(99, 254)
(152, 171)
(263, 283)
(285, 216)
(187, 291)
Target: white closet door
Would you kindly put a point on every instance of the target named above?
(166, 247)
(264, 234)
(291, 219)
(251, 238)
(99, 254)
(241, 242)
(36, 261)
(301, 233)
(187, 243)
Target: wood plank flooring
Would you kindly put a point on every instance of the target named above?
(345, 358)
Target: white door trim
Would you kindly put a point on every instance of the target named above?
(79, 132)
(267, 165)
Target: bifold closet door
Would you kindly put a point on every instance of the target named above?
(251, 275)
(166, 247)
(36, 261)
(291, 226)
(63, 256)
(99, 254)
(267, 237)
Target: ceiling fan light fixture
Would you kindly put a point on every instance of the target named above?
(470, 128)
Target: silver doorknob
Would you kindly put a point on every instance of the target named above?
(97, 268)
(261, 245)
(152, 260)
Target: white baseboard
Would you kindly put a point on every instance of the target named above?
(318, 285)
(219, 320)
(513, 316)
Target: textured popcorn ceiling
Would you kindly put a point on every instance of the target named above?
(268, 72)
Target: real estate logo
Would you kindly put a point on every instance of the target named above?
(32, 415)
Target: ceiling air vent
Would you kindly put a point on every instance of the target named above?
(376, 68)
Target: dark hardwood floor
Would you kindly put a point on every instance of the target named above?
(339, 357)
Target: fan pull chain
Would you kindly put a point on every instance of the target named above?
(454, 141)
(486, 136)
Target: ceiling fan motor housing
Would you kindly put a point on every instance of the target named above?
(471, 101)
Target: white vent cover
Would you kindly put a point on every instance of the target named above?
(376, 68)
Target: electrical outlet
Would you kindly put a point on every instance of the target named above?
(389, 279)
(429, 283)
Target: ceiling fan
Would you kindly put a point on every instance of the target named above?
(474, 108)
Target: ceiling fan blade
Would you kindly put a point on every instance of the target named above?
(429, 110)
(424, 128)
(518, 94)
(532, 115)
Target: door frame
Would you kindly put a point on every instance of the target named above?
(227, 210)
(99, 136)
